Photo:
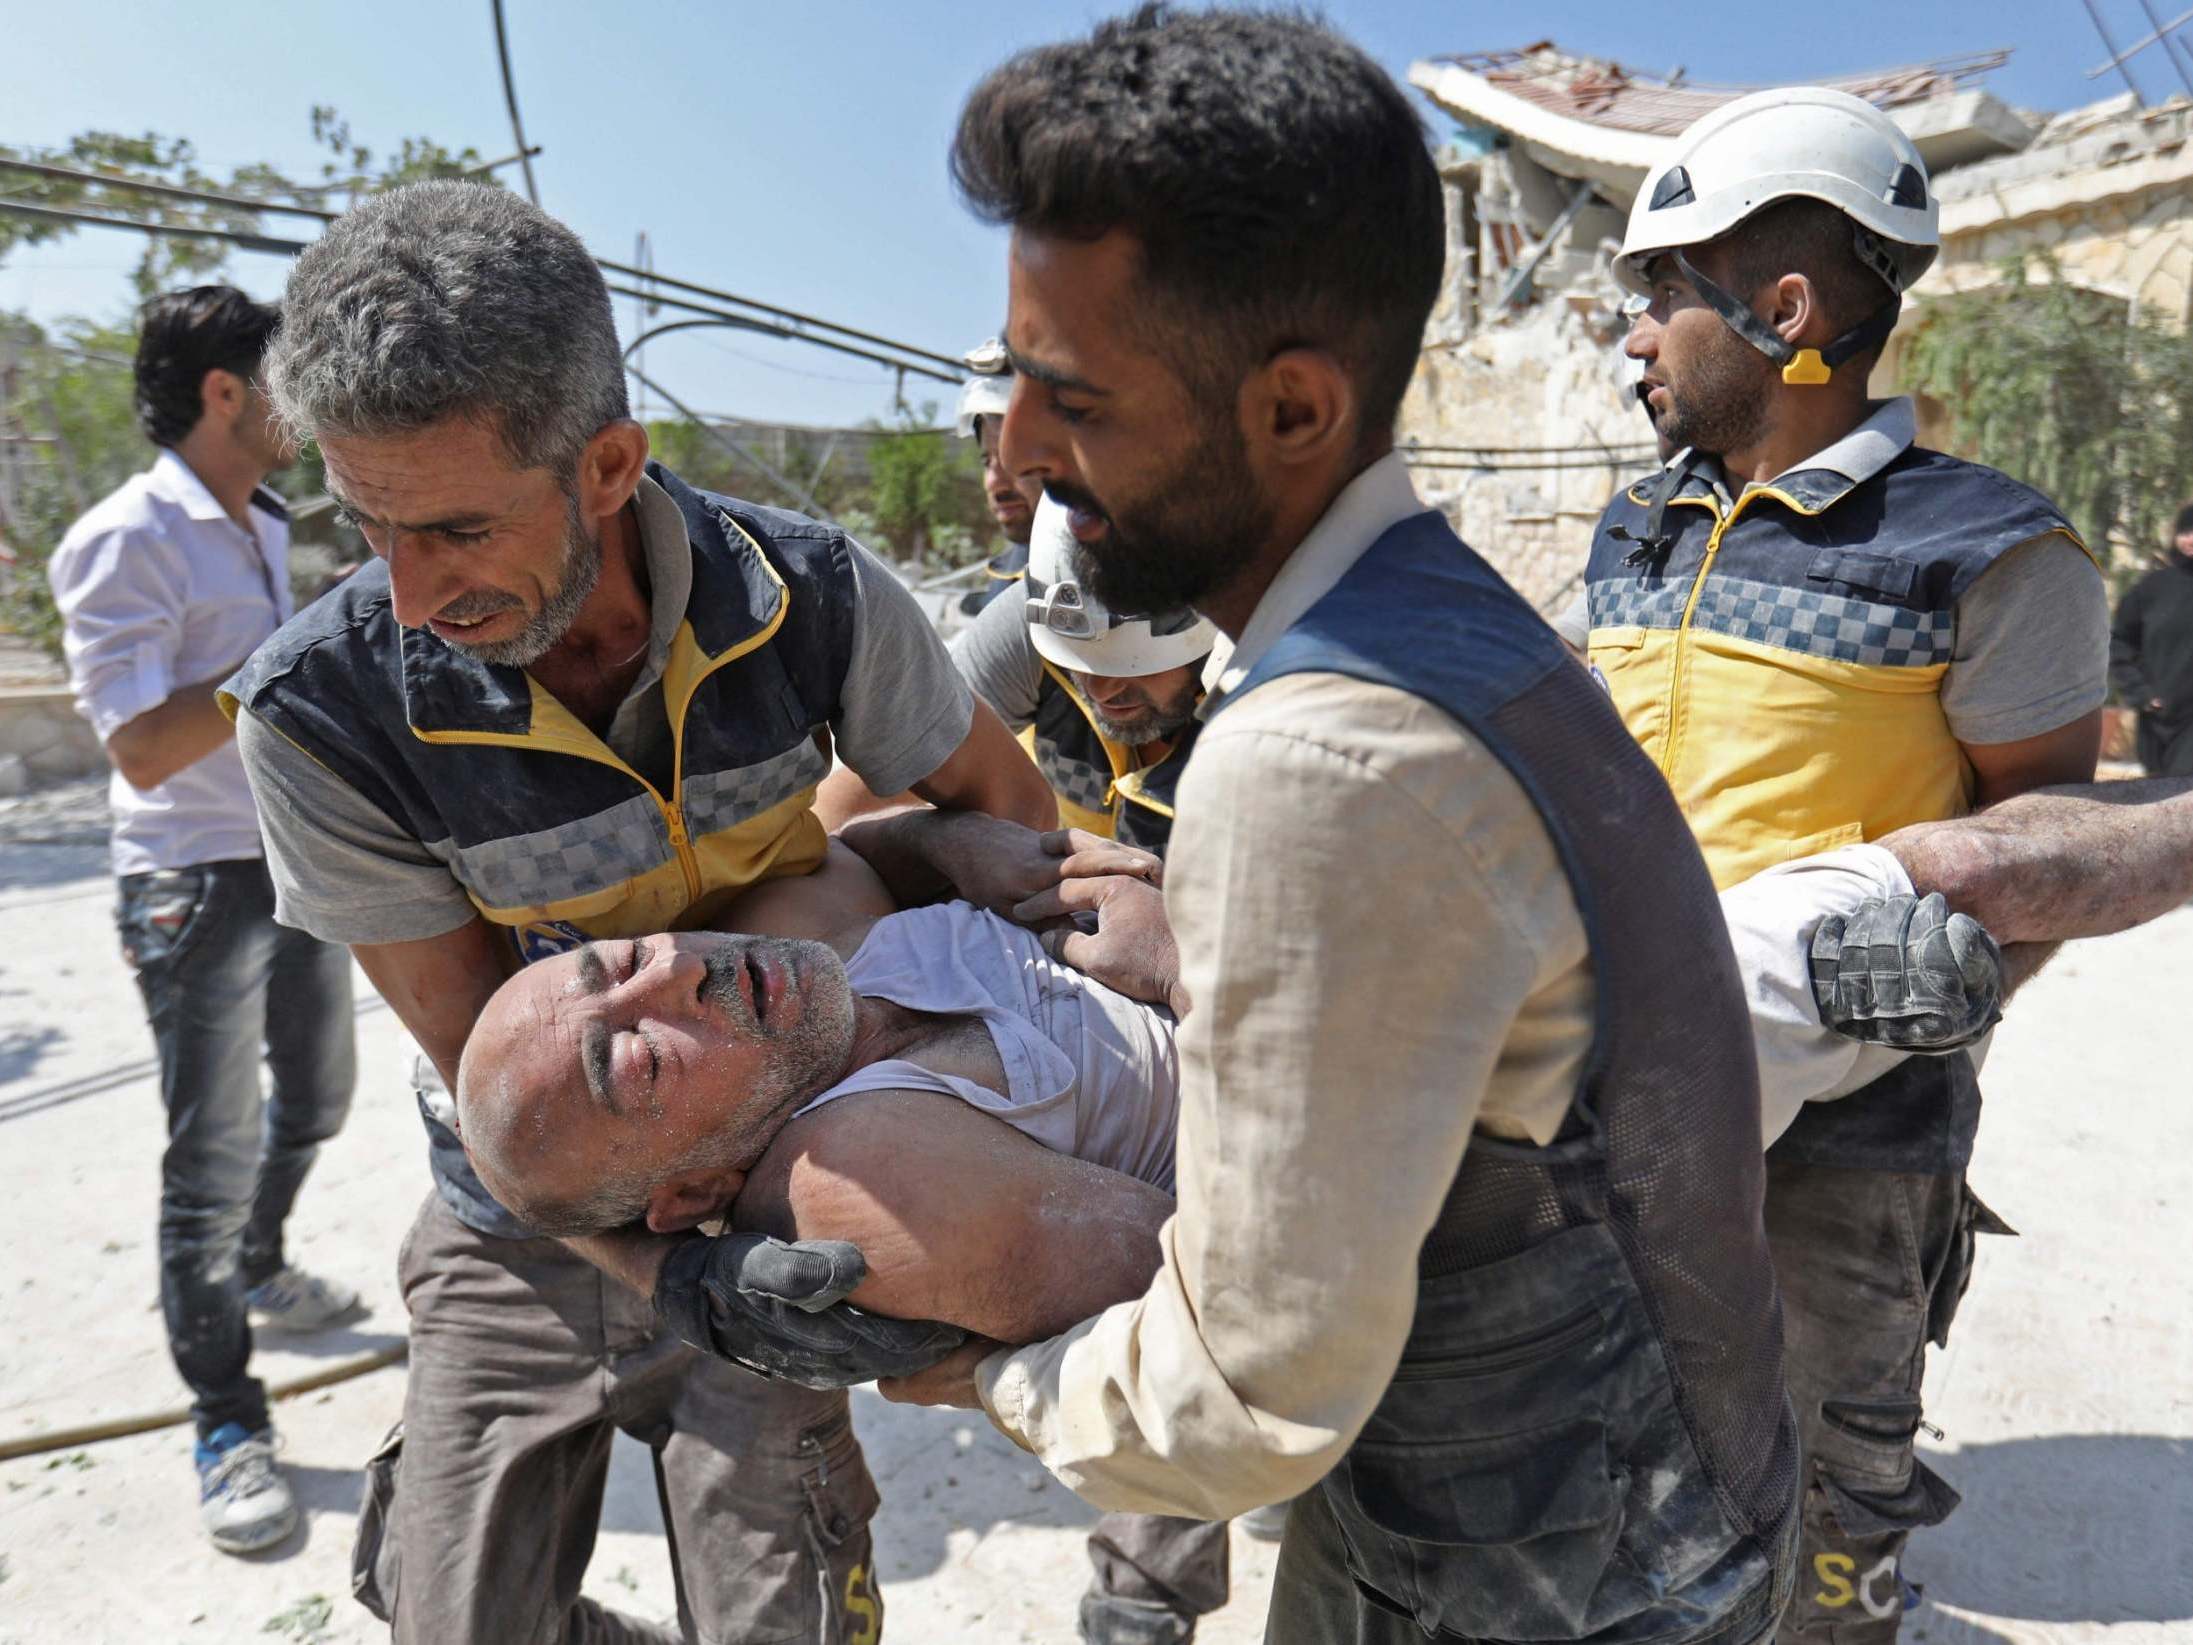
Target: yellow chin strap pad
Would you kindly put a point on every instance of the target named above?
(1807, 367)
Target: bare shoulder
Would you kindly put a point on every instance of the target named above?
(960, 1217)
(835, 904)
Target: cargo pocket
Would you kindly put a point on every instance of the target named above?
(373, 1554)
(1507, 1536)
(841, 1499)
(1973, 1219)
(1873, 1481)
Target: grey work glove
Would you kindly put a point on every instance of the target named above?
(1907, 973)
(779, 1310)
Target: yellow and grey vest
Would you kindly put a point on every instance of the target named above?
(1101, 785)
(551, 834)
(1781, 659)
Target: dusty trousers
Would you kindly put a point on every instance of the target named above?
(1151, 1576)
(481, 1510)
(1872, 1265)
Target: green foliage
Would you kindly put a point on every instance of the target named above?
(72, 395)
(926, 491)
(908, 490)
(2064, 389)
(66, 399)
(168, 261)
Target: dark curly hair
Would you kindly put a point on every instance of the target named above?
(1277, 180)
(182, 335)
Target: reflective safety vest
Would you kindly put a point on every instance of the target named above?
(1587, 1436)
(1101, 785)
(1781, 659)
(553, 836)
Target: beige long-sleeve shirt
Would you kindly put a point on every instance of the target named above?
(1384, 954)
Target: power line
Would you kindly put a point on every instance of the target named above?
(789, 319)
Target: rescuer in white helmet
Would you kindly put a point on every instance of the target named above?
(982, 402)
(1823, 632)
(1104, 701)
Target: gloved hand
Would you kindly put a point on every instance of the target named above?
(1906, 972)
(778, 1309)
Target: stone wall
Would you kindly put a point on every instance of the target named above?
(43, 739)
(1538, 397)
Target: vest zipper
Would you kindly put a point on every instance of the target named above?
(1679, 670)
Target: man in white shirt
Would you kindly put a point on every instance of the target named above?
(166, 586)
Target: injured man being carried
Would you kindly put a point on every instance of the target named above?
(993, 1129)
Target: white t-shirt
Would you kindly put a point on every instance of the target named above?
(1094, 1074)
(1090, 1072)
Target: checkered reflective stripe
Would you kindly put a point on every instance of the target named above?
(1635, 603)
(1866, 632)
(1086, 785)
(571, 860)
(1838, 626)
(718, 800)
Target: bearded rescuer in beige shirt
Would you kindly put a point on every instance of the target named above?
(1391, 1005)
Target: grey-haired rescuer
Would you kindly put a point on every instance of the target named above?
(575, 698)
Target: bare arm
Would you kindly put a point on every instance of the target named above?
(961, 1218)
(990, 771)
(2058, 863)
(180, 732)
(2064, 755)
(438, 985)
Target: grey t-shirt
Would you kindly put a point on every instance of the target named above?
(996, 657)
(2032, 643)
(346, 872)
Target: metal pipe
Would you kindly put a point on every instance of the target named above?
(510, 100)
(487, 167)
(2116, 57)
(168, 191)
(957, 368)
(2099, 70)
(250, 242)
(748, 323)
(799, 493)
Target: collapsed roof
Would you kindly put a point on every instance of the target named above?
(1597, 121)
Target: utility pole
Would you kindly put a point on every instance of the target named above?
(644, 309)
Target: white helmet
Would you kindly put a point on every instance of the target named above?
(1073, 629)
(1798, 142)
(989, 390)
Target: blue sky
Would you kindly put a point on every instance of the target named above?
(794, 152)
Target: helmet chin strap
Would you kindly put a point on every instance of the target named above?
(1799, 365)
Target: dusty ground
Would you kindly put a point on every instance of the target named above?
(2065, 1400)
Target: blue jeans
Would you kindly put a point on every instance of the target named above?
(223, 984)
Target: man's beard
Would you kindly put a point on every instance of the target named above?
(1721, 404)
(806, 1057)
(1197, 528)
(575, 579)
(1150, 724)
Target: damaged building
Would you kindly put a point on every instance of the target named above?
(1520, 422)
